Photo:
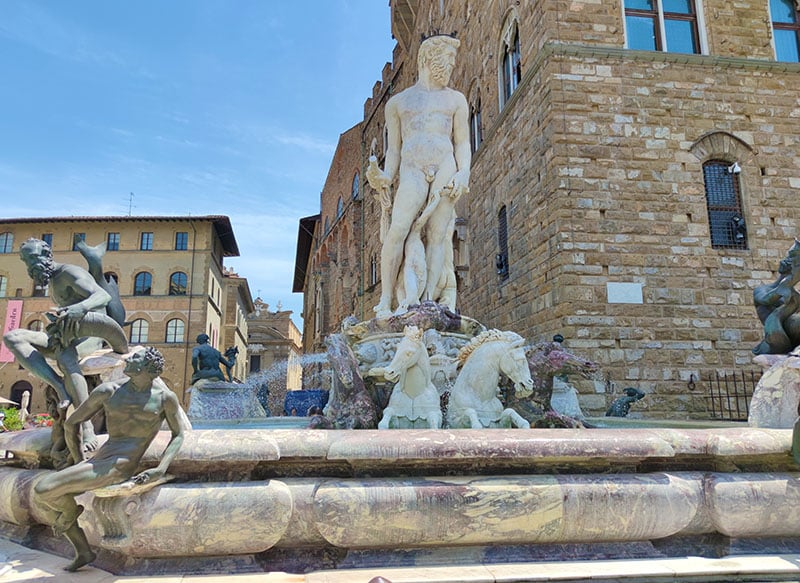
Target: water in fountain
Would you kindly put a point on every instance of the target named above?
(259, 400)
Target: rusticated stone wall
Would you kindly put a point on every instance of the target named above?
(597, 157)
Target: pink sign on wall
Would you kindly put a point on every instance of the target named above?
(13, 318)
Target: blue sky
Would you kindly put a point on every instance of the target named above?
(195, 106)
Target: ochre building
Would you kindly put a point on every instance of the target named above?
(171, 280)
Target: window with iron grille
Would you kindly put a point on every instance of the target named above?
(725, 219)
(501, 261)
(662, 25)
(786, 29)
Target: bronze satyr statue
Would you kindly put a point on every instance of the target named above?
(135, 408)
(206, 360)
(778, 307)
(85, 310)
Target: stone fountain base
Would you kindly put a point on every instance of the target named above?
(300, 500)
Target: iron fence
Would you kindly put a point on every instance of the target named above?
(728, 394)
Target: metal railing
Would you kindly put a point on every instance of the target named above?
(728, 394)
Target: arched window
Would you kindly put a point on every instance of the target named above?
(475, 125)
(511, 63)
(339, 208)
(177, 284)
(139, 330)
(35, 325)
(786, 29)
(327, 226)
(3, 285)
(6, 242)
(501, 261)
(723, 200)
(356, 186)
(175, 329)
(110, 275)
(142, 284)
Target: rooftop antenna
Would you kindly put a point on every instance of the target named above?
(130, 204)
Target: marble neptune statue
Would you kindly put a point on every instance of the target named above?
(428, 149)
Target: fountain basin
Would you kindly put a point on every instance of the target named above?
(322, 499)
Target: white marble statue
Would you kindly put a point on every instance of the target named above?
(414, 396)
(428, 145)
(473, 400)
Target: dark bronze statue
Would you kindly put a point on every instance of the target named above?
(86, 309)
(778, 307)
(206, 360)
(135, 408)
(622, 405)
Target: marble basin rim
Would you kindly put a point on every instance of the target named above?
(299, 499)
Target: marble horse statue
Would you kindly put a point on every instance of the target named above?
(414, 396)
(473, 400)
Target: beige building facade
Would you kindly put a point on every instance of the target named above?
(171, 279)
(275, 351)
(635, 174)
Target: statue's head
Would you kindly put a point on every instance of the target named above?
(438, 54)
(38, 256)
(202, 338)
(792, 259)
(148, 360)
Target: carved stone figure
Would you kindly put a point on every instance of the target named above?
(622, 405)
(428, 144)
(546, 360)
(206, 360)
(349, 404)
(473, 400)
(778, 307)
(413, 396)
(776, 399)
(81, 318)
(135, 408)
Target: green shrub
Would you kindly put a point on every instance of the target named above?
(12, 422)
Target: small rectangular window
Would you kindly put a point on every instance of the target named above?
(146, 242)
(48, 238)
(181, 241)
(112, 242)
(3, 284)
(786, 30)
(662, 25)
(255, 362)
(77, 238)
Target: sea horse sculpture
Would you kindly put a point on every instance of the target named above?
(414, 396)
(473, 400)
